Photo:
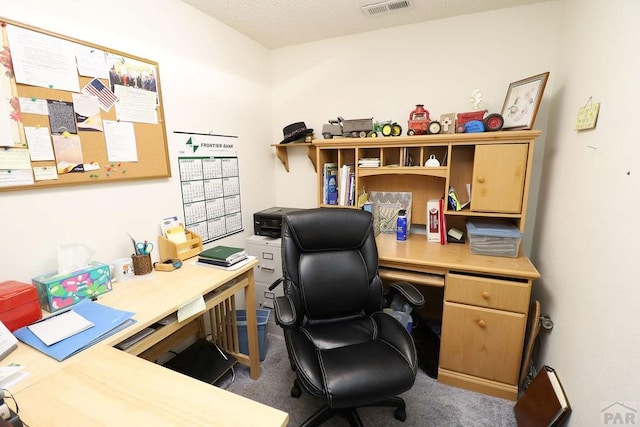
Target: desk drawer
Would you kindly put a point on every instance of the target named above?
(482, 342)
(488, 292)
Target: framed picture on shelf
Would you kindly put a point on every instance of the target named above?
(386, 205)
(448, 122)
(522, 102)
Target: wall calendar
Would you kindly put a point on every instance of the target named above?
(210, 184)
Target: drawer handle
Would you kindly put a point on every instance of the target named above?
(481, 179)
(482, 323)
(485, 294)
(268, 269)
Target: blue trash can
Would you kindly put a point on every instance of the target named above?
(243, 342)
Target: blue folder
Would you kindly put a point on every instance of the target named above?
(107, 321)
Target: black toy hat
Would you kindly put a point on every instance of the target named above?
(295, 131)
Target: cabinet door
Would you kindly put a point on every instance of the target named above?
(498, 177)
(482, 342)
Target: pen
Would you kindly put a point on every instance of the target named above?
(135, 247)
(51, 316)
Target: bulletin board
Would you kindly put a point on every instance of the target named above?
(74, 113)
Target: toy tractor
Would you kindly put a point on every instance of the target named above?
(474, 121)
(358, 128)
(386, 128)
(419, 123)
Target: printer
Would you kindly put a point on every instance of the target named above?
(269, 221)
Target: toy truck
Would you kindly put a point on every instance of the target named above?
(358, 128)
(474, 121)
(420, 124)
(386, 128)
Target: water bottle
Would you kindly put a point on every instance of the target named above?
(401, 227)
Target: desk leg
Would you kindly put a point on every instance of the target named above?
(252, 326)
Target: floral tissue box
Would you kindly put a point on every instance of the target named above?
(58, 291)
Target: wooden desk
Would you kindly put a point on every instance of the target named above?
(485, 308)
(105, 386)
(162, 293)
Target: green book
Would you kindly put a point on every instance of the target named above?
(222, 253)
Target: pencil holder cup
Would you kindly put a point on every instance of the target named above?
(142, 264)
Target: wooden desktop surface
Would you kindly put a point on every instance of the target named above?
(105, 386)
(416, 252)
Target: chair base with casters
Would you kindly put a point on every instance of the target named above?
(350, 414)
(341, 345)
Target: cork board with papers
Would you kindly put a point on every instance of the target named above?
(73, 112)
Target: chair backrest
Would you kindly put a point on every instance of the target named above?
(330, 264)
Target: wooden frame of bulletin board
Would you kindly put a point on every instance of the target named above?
(124, 139)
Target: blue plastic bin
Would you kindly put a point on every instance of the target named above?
(243, 342)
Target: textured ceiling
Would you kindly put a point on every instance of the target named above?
(279, 23)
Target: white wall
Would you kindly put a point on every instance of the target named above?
(586, 242)
(383, 74)
(213, 80)
(585, 237)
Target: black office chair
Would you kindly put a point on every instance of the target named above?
(343, 348)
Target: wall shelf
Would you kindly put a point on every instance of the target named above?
(283, 154)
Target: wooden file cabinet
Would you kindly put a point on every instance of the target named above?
(483, 327)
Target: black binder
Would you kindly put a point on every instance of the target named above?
(543, 403)
(202, 360)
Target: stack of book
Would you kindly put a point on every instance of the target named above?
(223, 256)
(369, 162)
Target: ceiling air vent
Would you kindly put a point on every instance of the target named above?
(385, 6)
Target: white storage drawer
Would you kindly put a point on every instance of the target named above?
(267, 251)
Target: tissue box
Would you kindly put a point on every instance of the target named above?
(57, 291)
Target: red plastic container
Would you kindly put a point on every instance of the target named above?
(19, 304)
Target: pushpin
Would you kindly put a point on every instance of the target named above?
(66, 134)
(50, 86)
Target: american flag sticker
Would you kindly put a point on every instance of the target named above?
(96, 88)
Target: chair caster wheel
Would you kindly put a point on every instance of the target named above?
(400, 414)
(296, 391)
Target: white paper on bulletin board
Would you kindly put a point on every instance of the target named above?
(210, 184)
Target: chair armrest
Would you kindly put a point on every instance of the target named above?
(276, 283)
(285, 314)
(409, 292)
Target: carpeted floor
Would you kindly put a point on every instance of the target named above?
(429, 403)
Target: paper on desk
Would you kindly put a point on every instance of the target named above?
(190, 308)
(8, 342)
(107, 321)
(55, 328)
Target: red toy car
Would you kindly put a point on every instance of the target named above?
(419, 123)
